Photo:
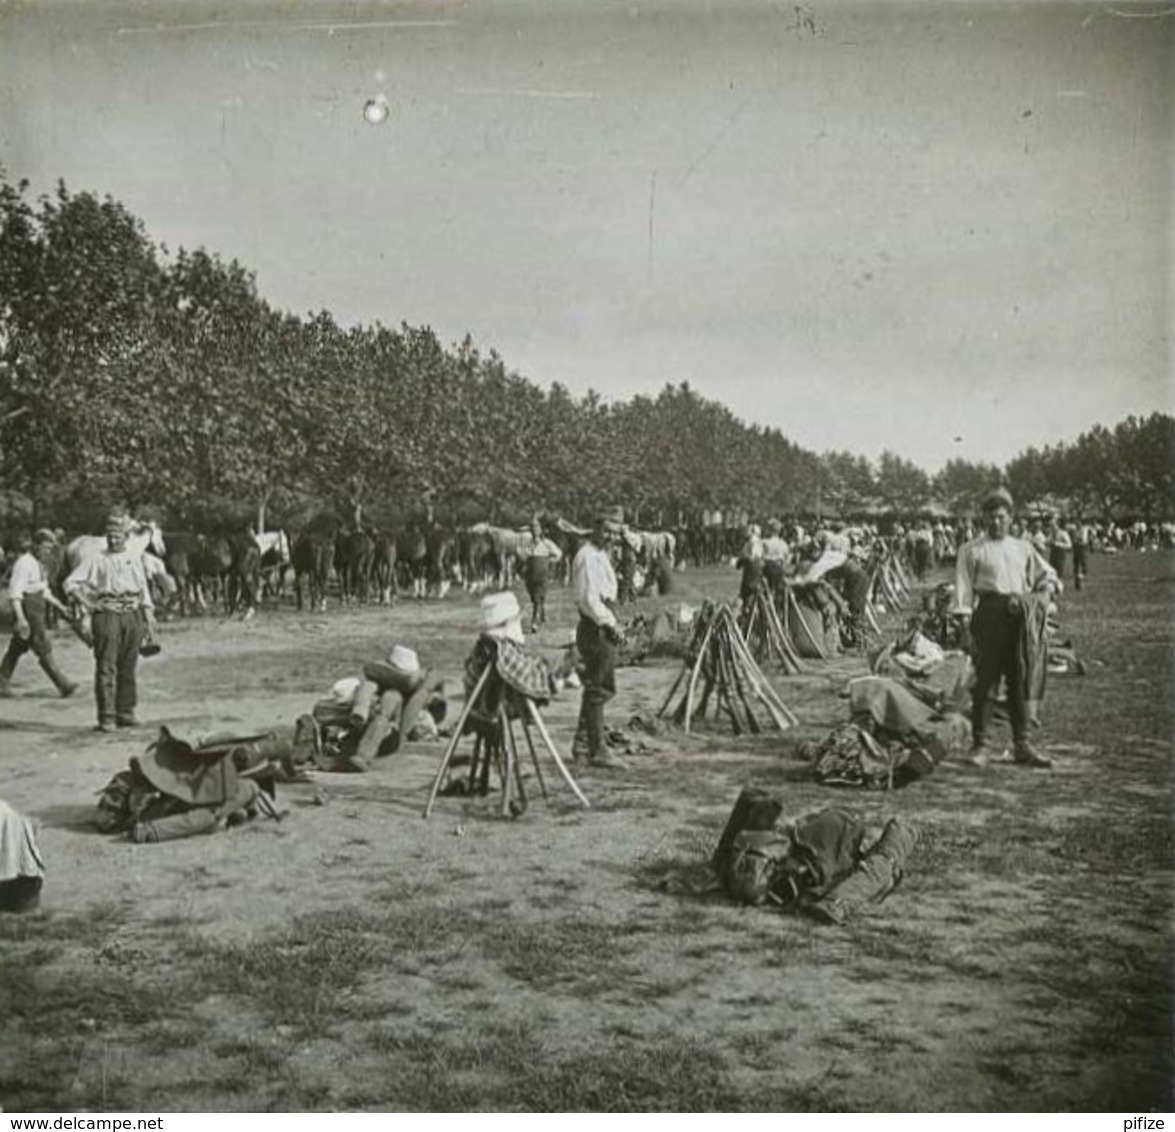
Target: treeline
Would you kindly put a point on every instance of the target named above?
(129, 374)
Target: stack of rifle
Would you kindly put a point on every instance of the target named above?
(888, 583)
(763, 631)
(721, 677)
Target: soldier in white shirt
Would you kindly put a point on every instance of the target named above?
(776, 555)
(1060, 544)
(593, 585)
(114, 586)
(992, 575)
(28, 590)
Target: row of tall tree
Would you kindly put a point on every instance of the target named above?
(131, 374)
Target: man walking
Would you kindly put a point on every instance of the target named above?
(540, 557)
(994, 578)
(593, 585)
(31, 597)
(114, 586)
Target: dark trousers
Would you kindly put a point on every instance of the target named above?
(117, 637)
(752, 578)
(921, 559)
(536, 589)
(1059, 559)
(37, 642)
(599, 682)
(1080, 564)
(995, 637)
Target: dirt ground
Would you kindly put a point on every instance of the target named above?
(356, 956)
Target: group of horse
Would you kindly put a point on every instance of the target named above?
(190, 571)
(235, 571)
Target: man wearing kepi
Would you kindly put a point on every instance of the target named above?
(995, 578)
(114, 586)
(31, 598)
(593, 585)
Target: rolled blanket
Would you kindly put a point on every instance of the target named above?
(385, 675)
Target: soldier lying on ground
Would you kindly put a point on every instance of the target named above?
(369, 718)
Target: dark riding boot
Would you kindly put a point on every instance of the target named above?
(65, 687)
(8, 666)
(598, 753)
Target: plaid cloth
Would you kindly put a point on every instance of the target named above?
(521, 670)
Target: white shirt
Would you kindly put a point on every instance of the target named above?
(112, 575)
(752, 548)
(999, 566)
(544, 548)
(28, 577)
(593, 583)
(775, 549)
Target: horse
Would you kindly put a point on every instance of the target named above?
(506, 547)
(275, 558)
(140, 538)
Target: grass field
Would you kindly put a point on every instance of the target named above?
(356, 957)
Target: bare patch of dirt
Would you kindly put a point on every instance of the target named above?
(357, 956)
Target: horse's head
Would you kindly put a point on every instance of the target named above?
(146, 535)
(155, 543)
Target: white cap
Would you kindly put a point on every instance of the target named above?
(498, 609)
(405, 659)
(343, 691)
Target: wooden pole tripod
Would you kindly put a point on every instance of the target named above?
(497, 743)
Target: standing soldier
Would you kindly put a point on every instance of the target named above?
(775, 556)
(921, 546)
(593, 584)
(1080, 536)
(750, 562)
(993, 575)
(626, 586)
(543, 553)
(1060, 543)
(29, 592)
(114, 586)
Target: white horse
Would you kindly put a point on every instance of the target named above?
(656, 544)
(276, 543)
(141, 538)
(509, 546)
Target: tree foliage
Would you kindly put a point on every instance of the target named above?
(133, 375)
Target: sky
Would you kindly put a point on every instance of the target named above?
(942, 229)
